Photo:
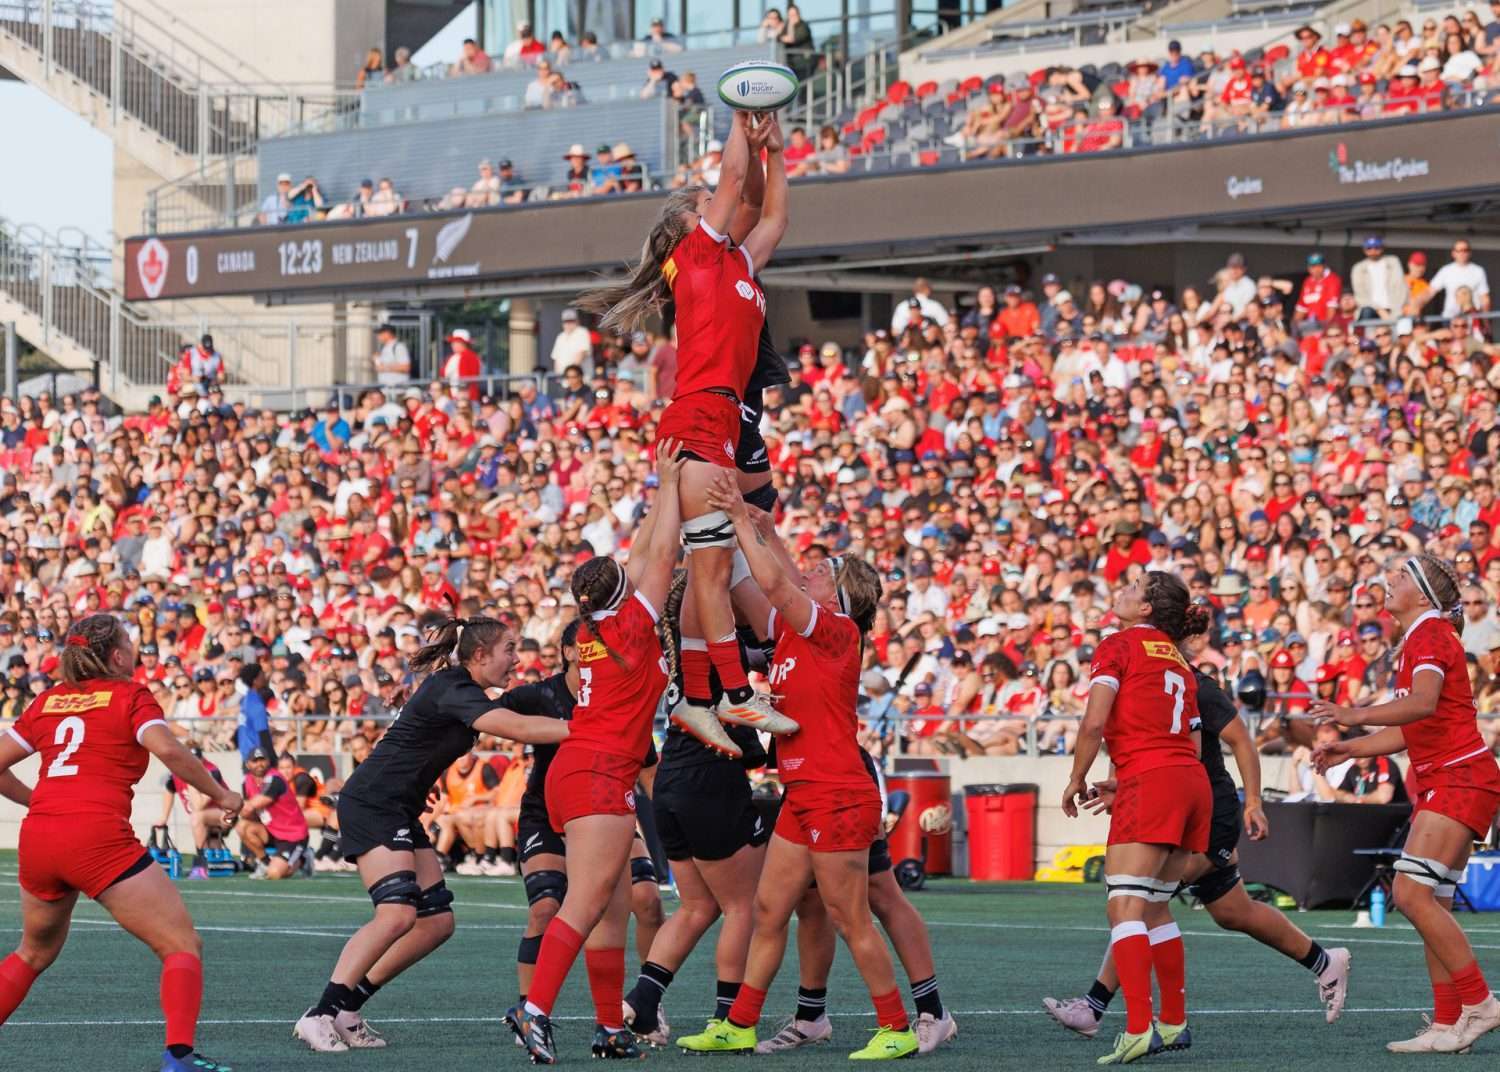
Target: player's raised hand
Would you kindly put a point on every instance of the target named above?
(723, 493)
(1330, 753)
(669, 462)
(773, 137)
(758, 131)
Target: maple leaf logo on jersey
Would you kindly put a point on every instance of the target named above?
(630, 799)
(1163, 649)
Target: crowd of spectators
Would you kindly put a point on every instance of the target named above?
(1005, 460)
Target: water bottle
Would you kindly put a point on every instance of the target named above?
(1377, 907)
(174, 863)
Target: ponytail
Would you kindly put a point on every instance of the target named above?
(455, 640)
(599, 586)
(624, 306)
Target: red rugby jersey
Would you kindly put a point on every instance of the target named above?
(617, 700)
(89, 738)
(1450, 735)
(1156, 700)
(815, 678)
(720, 308)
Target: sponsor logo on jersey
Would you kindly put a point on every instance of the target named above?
(69, 703)
(404, 834)
(792, 763)
(744, 290)
(781, 668)
(1163, 649)
(630, 799)
(531, 842)
(591, 651)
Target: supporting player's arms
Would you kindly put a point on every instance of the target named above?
(1247, 759)
(753, 194)
(765, 565)
(653, 554)
(528, 729)
(158, 740)
(1086, 749)
(1420, 702)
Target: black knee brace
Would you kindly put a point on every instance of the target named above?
(435, 900)
(642, 869)
(1216, 883)
(763, 497)
(398, 888)
(543, 884)
(529, 950)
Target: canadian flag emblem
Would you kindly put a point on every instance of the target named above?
(151, 265)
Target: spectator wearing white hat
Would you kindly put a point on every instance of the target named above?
(463, 362)
(276, 205)
(576, 179)
(486, 189)
(573, 347)
(920, 306)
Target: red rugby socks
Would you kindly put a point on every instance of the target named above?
(697, 686)
(1470, 984)
(745, 1012)
(890, 1012)
(16, 977)
(1132, 951)
(725, 656)
(606, 969)
(181, 996)
(560, 946)
(1445, 1004)
(1169, 959)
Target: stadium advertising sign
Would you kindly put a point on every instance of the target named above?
(1030, 199)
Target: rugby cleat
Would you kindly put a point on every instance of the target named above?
(356, 1033)
(320, 1033)
(1424, 1041)
(888, 1044)
(703, 725)
(795, 1034)
(933, 1031)
(1474, 1022)
(1333, 984)
(720, 1036)
(617, 1045)
(1174, 1037)
(1130, 1047)
(1076, 1014)
(469, 869)
(654, 1034)
(193, 1062)
(533, 1034)
(757, 713)
(498, 869)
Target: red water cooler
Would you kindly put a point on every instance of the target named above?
(1001, 831)
(929, 816)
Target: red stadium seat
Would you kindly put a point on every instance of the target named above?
(1277, 53)
(850, 129)
(1121, 88)
(926, 89)
(970, 85)
(866, 117)
(928, 157)
(1037, 77)
(953, 98)
(856, 150)
(873, 137)
(898, 91)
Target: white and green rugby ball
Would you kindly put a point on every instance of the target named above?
(758, 86)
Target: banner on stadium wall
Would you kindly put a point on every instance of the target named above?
(1369, 163)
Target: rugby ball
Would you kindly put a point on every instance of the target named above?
(758, 86)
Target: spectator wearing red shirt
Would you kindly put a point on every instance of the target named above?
(1312, 59)
(799, 152)
(1321, 288)
(1239, 88)
(1019, 319)
(1105, 131)
(463, 363)
(1125, 548)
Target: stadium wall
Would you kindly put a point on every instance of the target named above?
(1054, 829)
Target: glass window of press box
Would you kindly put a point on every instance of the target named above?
(722, 23)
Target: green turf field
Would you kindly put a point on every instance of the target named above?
(1000, 949)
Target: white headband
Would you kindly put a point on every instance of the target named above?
(617, 596)
(836, 562)
(1414, 568)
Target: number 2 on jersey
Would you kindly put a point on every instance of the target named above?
(70, 736)
(1176, 688)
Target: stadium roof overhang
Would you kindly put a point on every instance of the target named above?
(1424, 175)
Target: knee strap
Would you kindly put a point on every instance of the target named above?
(642, 869)
(763, 497)
(1216, 884)
(713, 529)
(1425, 871)
(397, 888)
(435, 900)
(541, 885)
(529, 949)
(1142, 886)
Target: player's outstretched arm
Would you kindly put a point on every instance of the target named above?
(719, 213)
(753, 195)
(528, 729)
(1386, 742)
(765, 566)
(1419, 703)
(653, 555)
(158, 740)
(769, 230)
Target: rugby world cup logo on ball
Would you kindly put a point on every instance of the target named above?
(758, 86)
